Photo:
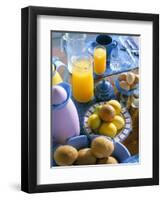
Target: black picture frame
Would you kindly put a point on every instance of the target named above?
(29, 98)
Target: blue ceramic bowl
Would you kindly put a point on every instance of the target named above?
(132, 159)
(121, 135)
(82, 141)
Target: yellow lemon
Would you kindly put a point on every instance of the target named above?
(94, 121)
(97, 109)
(118, 122)
(108, 129)
(116, 105)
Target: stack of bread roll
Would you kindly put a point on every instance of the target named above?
(128, 81)
(100, 152)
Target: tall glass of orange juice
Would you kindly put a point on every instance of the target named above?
(82, 78)
(99, 60)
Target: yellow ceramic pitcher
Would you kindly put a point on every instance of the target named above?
(56, 78)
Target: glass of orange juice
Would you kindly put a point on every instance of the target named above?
(99, 59)
(82, 78)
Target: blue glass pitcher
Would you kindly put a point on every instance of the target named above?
(73, 44)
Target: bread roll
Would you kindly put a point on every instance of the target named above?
(108, 160)
(136, 79)
(130, 78)
(85, 157)
(65, 155)
(122, 77)
(124, 85)
(102, 147)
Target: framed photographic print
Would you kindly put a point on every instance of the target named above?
(90, 99)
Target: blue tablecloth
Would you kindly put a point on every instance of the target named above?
(126, 63)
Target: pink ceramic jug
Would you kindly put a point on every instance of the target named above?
(65, 120)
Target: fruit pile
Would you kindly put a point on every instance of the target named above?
(107, 119)
(100, 152)
(128, 81)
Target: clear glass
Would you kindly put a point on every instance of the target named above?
(99, 59)
(74, 45)
(115, 61)
(82, 78)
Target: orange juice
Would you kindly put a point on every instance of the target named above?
(99, 60)
(82, 80)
